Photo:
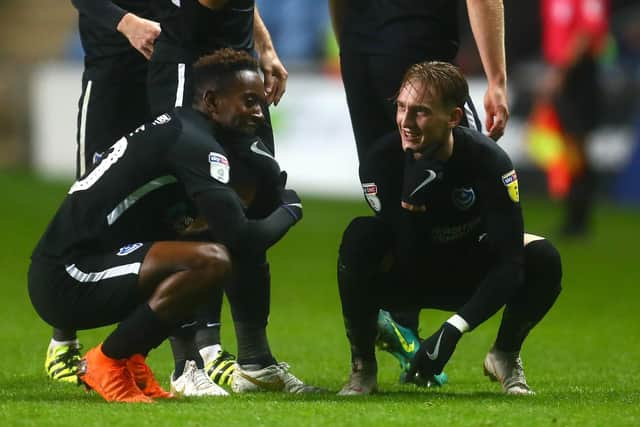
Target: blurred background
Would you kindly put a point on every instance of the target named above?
(40, 83)
(41, 65)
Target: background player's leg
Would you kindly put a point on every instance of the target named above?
(63, 352)
(580, 200)
(218, 363)
(107, 110)
(183, 348)
(168, 86)
(579, 109)
(369, 109)
(249, 297)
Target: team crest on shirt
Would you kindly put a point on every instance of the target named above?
(463, 198)
(97, 157)
(371, 194)
(127, 249)
(510, 180)
(219, 167)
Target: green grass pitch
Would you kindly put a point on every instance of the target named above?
(583, 359)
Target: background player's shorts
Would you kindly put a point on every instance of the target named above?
(90, 291)
(168, 86)
(578, 104)
(112, 104)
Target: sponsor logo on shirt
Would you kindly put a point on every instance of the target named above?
(371, 194)
(219, 167)
(463, 198)
(126, 250)
(510, 180)
(452, 233)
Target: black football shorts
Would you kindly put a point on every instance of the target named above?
(90, 291)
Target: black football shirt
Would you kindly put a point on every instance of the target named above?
(416, 28)
(98, 21)
(476, 200)
(190, 30)
(167, 169)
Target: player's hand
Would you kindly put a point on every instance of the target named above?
(289, 199)
(140, 32)
(421, 177)
(433, 354)
(497, 110)
(275, 76)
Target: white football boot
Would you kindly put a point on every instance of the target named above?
(272, 378)
(508, 370)
(194, 382)
(363, 379)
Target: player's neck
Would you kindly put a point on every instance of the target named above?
(446, 149)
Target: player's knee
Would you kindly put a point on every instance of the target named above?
(364, 242)
(542, 259)
(214, 261)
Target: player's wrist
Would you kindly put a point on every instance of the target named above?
(498, 82)
(459, 323)
(266, 54)
(126, 23)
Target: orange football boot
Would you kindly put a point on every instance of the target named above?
(110, 378)
(145, 379)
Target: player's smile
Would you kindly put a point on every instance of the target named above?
(421, 118)
(410, 138)
(239, 107)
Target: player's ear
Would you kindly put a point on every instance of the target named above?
(211, 101)
(455, 117)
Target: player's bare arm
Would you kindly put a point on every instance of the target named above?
(487, 24)
(275, 75)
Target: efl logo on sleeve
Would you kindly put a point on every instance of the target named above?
(219, 167)
(371, 194)
(510, 180)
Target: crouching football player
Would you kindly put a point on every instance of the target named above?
(91, 268)
(448, 234)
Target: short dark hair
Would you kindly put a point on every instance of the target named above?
(441, 79)
(215, 70)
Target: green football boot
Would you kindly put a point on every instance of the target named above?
(61, 363)
(403, 344)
